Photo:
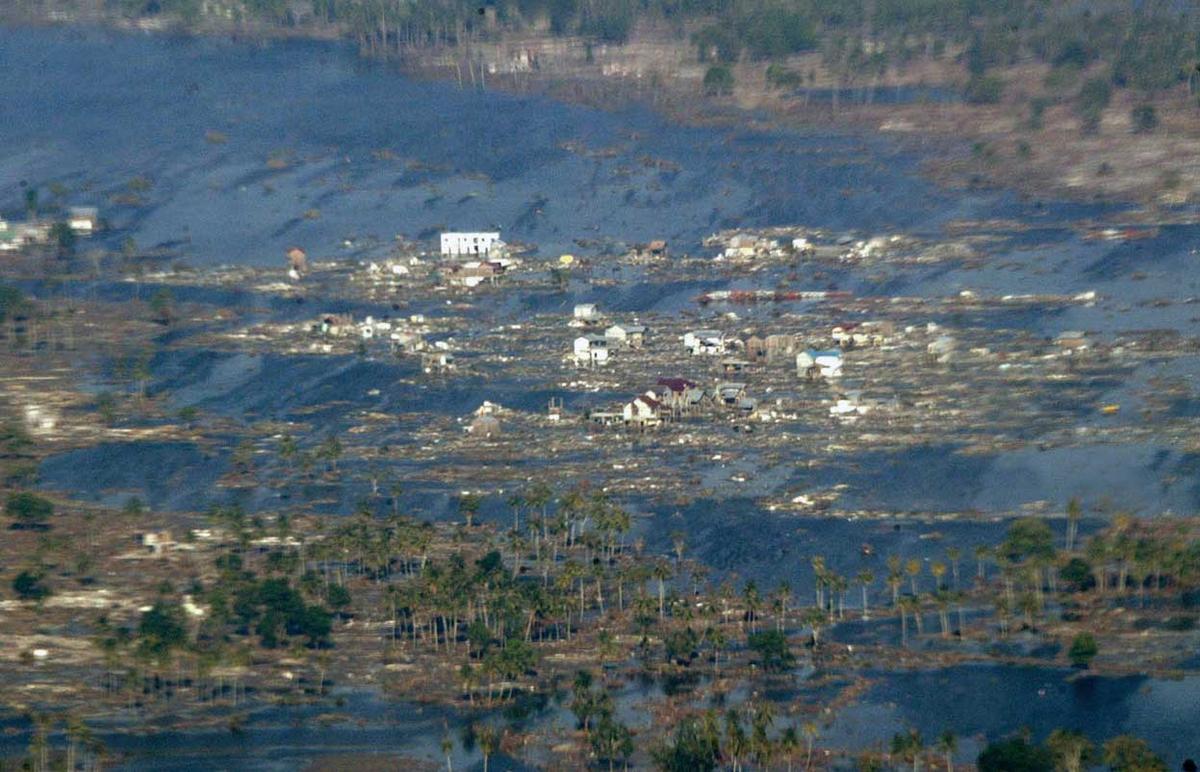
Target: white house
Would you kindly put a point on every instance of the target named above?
(801, 246)
(827, 364)
(626, 335)
(591, 350)
(83, 219)
(942, 348)
(644, 410)
(704, 342)
(462, 243)
(586, 312)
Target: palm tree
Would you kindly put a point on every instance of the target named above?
(1074, 513)
(909, 747)
(662, 572)
(938, 569)
(907, 603)
(516, 501)
(815, 618)
(894, 578)
(913, 568)
(810, 738)
(954, 554)
(947, 745)
(489, 740)
(865, 580)
(789, 743)
(468, 505)
(447, 748)
(982, 553)
(1072, 751)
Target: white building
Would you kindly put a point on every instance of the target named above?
(643, 410)
(83, 219)
(704, 342)
(591, 350)
(586, 312)
(626, 335)
(482, 243)
(827, 364)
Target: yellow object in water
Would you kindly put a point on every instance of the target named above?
(566, 259)
(1110, 409)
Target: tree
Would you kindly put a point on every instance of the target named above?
(1127, 753)
(1144, 119)
(1083, 650)
(1015, 755)
(29, 510)
(1028, 538)
(947, 745)
(693, 748)
(612, 741)
(160, 306)
(1093, 97)
(865, 580)
(63, 237)
(984, 90)
(772, 649)
(31, 202)
(12, 302)
(489, 741)
(468, 505)
(1072, 751)
(28, 586)
(909, 746)
(161, 629)
(718, 80)
(1074, 513)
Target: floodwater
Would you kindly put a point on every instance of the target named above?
(987, 702)
(232, 151)
(239, 141)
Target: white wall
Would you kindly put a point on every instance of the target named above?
(468, 243)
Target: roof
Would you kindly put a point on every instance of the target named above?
(629, 329)
(647, 400)
(677, 385)
(658, 244)
(835, 353)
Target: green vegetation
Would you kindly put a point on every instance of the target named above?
(984, 90)
(28, 585)
(1093, 97)
(1083, 650)
(1016, 754)
(1131, 754)
(771, 646)
(1144, 119)
(28, 510)
(718, 80)
(1148, 47)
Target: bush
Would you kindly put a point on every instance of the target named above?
(28, 586)
(718, 81)
(1078, 573)
(718, 43)
(1093, 97)
(772, 649)
(1144, 118)
(984, 90)
(1083, 650)
(1015, 755)
(28, 510)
